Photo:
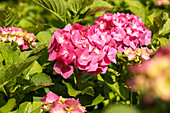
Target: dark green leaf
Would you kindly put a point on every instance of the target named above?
(88, 91)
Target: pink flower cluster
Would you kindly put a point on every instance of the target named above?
(138, 53)
(126, 30)
(58, 104)
(92, 48)
(21, 37)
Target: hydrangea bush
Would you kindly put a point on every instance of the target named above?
(77, 56)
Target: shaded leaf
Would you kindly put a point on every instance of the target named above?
(88, 91)
(8, 17)
(36, 28)
(41, 79)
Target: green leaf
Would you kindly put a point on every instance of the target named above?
(57, 7)
(34, 68)
(25, 23)
(164, 41)
(135, 3)
(76, 5)
(97, 100)
(41, 79)
(166, 28)
(10, 56)
(44, 37)
(98, 6)
(153, 15)
(8, 106)
(28, 107)
(8, 17)
(25, 54)
(8, 72)
(71, 90)
(1, 57)
(88, 91)
(36, 28)
(119, 108)
(2, 98)
(138, 9)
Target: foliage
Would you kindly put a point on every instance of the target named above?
(27, 75)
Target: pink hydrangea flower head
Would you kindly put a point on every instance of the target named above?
(127, 30)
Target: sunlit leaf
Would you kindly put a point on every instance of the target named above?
(34, 68)
(41, 79)
(44, 37)
(10, 56)
(28, 107)
(8, 106)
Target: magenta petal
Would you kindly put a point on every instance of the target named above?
(53, 55)
(25, 46)
(111, 54)
(50, 97)
(58, 65)
(66, 71)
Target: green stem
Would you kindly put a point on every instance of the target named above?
(131, 98)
